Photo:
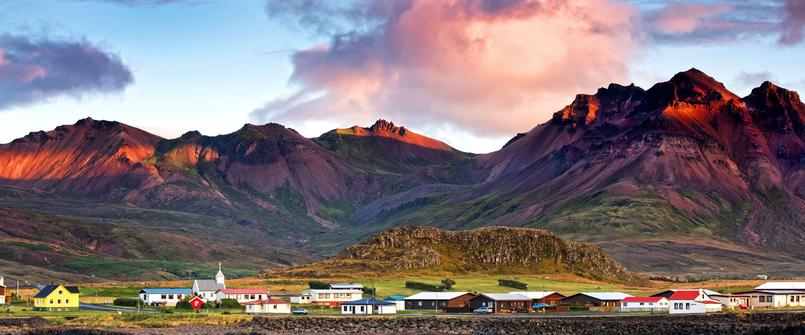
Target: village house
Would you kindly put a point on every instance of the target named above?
(732, 301)
(268, 306)
(542, 297)
(369, 306)
(669, 293)
(446, 301)
(502, 302)
(399, 300)
(596, 300)
(2, 291)
(645, 304)
(778, 294)
(207, 288)
(328, 297)
(163, 296)
(242, 294)
(57, 298)
(692, 302)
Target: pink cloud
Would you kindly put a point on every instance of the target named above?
(484, 65)
(686, 18)
(793, 22)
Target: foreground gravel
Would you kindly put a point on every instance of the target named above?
(755, 324)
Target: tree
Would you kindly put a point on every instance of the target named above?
(448, 284)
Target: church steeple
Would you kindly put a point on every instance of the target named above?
(219, 277)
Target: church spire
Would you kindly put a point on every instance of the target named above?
(219, 277)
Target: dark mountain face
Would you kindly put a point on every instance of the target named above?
(685, 162)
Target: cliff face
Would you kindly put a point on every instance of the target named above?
(497, 250)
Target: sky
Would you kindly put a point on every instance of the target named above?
(472, 73)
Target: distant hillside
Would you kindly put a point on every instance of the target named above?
(493, 250)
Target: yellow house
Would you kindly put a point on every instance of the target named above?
(56, 298)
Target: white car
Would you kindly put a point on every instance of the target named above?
(484, 310)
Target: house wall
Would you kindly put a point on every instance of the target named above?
(733, 302)
(661, 306)
(425, 304)
(686, 307)
(161, 299)
(2, 295)
(368, 309)
(581, 300)
(334, 299)
(269, 309)
(504, 306)
(59, 300)
(552, 299)
(241, 298)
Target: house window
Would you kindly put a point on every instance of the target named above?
(60, 291)
(67, 301)
(792, 298)
(59, 301)
(363, 308)
(687, 305)
(170, 296)
(164, 296)
(419, 303)
(641, 304)
(761, 298)
(51, 301)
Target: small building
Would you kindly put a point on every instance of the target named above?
(669, 293)
(399, 300)
(542, 297)
(163, 296)
(2, 291)
(778, 294)
(328, 297)
(369, 306)
(692, 302)
(732, 301)
(502, 302)
(645, 304)
(447, 301)
(57, 298)
(268, 306)
(242, 295)
(596, 300)
(207, 288)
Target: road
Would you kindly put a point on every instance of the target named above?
(92, 307)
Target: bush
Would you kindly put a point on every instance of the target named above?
(229, 304)
(369, 291)
(131, 302)
(423, 286)
(448, 283)
(318, 285)
(184, 304)
(512, 283)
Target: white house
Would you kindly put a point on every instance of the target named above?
(207, 288)
(644, 304)
(778, 294)
(268, 306)
(689, 302)
(369, 306)
(2, 291)
(242, 294)
(163, 296)
(328, 297)
(399, 300)
(732, 301)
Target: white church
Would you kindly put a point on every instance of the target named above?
(206, 288)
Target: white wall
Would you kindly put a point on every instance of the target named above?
(367, 309)
(269, 309)
(686, 307)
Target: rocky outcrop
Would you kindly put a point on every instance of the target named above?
(494, 250)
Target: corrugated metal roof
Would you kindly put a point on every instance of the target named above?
(436, 295)
(346, 286)
(506, 296)
(608, 296)
(208, 285)
(642, 299)
(535, 294)
(782, 291)
(166, 291)
(50, 288)
(782, 285)
(395, 298)
(684, 295)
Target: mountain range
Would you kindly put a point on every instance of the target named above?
(684, 177)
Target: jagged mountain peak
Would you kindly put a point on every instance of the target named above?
(387, 129)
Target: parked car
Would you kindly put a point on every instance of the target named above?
(484, 310)
(540, 306)
(300, 311)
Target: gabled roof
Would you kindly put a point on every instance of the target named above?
(374, 302)
(208, 285)
(642, 299)
(166, 291)
(395, 298)
(268, 302)
(604, 296)
(47, 290)
(782, 285)
(243, 291)
(536, 294)
(341, 286)
(781, 291)
(505, 296)
(684, 295)
(436, 295)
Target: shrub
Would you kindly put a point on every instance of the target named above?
(423, 286)
(513, 283)
(131, 302)
(318, 285)
(184, 304)
(229, 304)
(369, 291)
(448, 283)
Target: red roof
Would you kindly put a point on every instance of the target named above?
(269, 301)
(642, 299)
(243, 291)
(684, 295)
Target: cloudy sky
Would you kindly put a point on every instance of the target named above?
(470, 72)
